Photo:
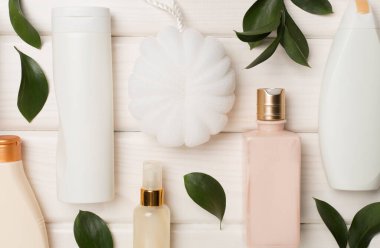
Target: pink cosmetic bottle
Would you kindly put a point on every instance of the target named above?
(273, 172)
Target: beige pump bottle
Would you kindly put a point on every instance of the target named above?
(21, 222)
(151, 222)
(273, 176)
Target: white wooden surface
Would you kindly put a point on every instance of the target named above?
(192, 227)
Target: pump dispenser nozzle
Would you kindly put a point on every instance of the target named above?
(152, 193)
(152, 175)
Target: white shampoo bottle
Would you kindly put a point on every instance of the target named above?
(349, 119)
(82, 59)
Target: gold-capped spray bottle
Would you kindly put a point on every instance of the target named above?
(151, 220)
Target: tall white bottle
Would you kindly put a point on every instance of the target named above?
(151, 220)
(21, 222)
(349, 119)
(82, 60)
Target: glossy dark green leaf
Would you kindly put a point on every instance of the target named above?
(264, 16)
(254, 44)
(34, 88)
(297, 34)
(365, 226)
(249, 37)
(269, 51)
(334, 222)
(319, 7)
(207, 193)
(294, 42)
(91, 231)
(22, 26)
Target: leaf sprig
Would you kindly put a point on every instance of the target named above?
(365, 225)
(267, 16)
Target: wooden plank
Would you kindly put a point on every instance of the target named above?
(221, 158)
(302, 85)
(217, 17)
(183, 236)
(200, 236)
(317, 236)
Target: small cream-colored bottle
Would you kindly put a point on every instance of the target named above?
(151, 221)
(21, 222)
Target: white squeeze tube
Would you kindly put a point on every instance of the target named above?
(349, 119)
(82, 60)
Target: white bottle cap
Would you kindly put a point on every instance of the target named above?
(152, 175)
(81, 20)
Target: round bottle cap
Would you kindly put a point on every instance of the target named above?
(81, 12)
(81, 20)
(271, 104)
(10, 148)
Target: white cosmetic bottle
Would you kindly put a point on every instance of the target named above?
(151, 220)
(21, 222)
(82, 59)
(349, 120)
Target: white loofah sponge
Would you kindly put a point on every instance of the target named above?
(182, 87)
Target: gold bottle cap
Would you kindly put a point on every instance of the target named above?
(271, 104)
(10, 148)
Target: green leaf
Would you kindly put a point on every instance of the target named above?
(334, 222)
(34, 88)
(297, 34)
(294, 42)
(365, 226)
(22, 26)
(269, 51)
(250, 37)
(91, 231)
(264, 16)
(254, 44)
(207, 193)
(319, 7)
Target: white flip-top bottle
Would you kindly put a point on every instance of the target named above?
(82, 60)
(349, 118)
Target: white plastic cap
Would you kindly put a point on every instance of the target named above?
(81, 20)
(79, 11)
(152, 175)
